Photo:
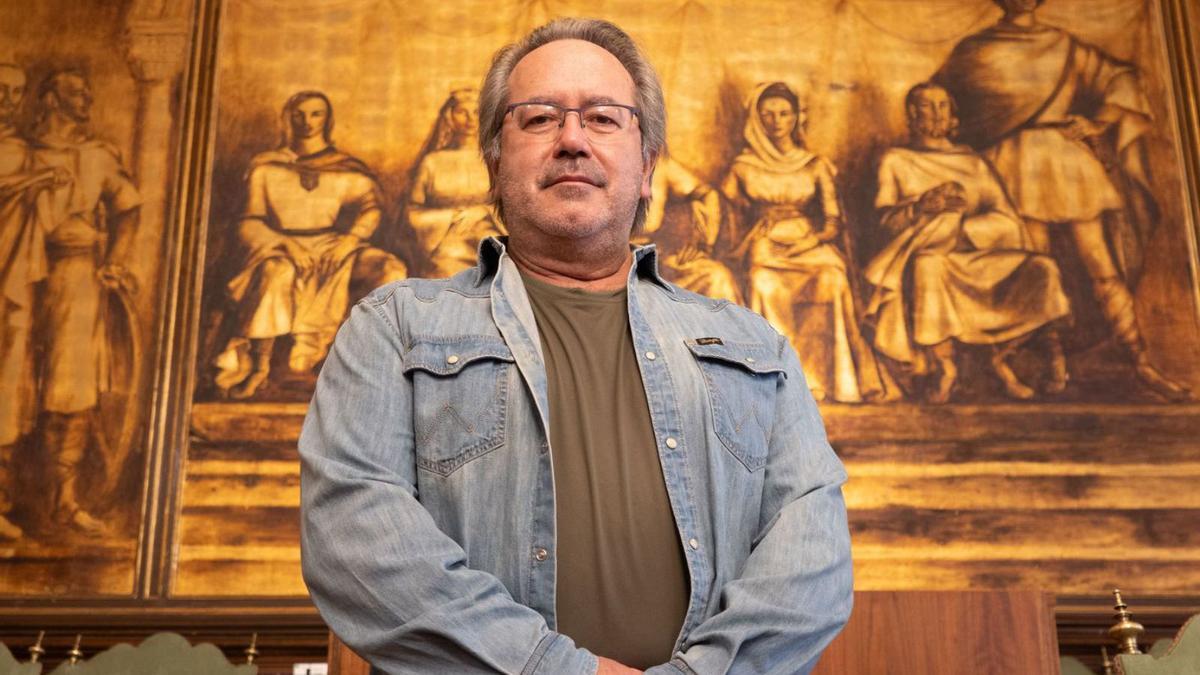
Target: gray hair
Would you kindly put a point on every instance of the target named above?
(648, 95)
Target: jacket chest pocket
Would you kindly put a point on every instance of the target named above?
(741, 379)
(460, 397)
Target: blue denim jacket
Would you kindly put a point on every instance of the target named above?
(428, 526)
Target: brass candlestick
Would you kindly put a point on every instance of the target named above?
(1126, 630)
(76, 654)
(36, 652)
(252, 651)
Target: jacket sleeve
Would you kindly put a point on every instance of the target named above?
(794, 593)
(388, 582)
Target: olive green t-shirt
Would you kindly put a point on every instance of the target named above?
(622, 582)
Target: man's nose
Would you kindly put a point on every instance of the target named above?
(572, 139)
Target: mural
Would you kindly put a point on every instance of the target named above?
(963, 213)
(970, 218)
(85, 151)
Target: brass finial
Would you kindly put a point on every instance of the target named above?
(252, 650)
(1126, 630)
(76, 654)
(1106, 661)
(36, 652)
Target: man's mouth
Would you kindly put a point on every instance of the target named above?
(573, 178)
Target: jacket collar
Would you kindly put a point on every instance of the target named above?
(491, 249)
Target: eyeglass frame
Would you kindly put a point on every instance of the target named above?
(637, 113)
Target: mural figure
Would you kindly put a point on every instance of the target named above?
(798, 279)
(960, 267)
(448, 205)
(22, 265)
(1043, 107)
(88, 233)
(303, 239)
(693, 266)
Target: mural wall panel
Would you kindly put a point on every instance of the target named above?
(979, 235)
(88, 137)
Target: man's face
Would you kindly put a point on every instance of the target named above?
(309, 118)
(778, 118)
(12, 91)
(464, 115)
(931, 115)
(73, 97)
(565, 185)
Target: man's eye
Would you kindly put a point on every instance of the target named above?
(601, 122)
(539, 121)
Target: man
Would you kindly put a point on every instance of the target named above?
(1043, 106)
(309, 214)
(92, 216)
(959, 269)
(502, 473)
(23, 256)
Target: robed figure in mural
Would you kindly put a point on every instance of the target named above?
(23, 209)
(88, 234)
(303, 239)
(960, 268)
(448, 206)
(798, 278)
(1044, 107)
(694, 265)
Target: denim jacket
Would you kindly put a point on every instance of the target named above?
(428, 527)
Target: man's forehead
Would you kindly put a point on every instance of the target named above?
(570, 71)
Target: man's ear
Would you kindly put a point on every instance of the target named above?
(648, 167)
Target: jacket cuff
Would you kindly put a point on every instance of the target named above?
(557, 655)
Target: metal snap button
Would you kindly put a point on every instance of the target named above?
(452, 359)
(651, 355)
(540, 554)
(694, 543)
(672, 443)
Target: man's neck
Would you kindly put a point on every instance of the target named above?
(309, 146)
(922, 142)
(1021, 19)
(580, 267)
(62, 128)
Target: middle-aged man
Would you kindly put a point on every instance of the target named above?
(557, 462)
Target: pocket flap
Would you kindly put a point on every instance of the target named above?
(749, 356)
(449, 356)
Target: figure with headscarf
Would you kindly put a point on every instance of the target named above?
(448, 205)
(798, 277)
(959, 269)
(303, 238)
(1064, 123)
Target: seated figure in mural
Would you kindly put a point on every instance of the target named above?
(693, 266)
(798, 277)
(1045, 108)
(960, 268)
(303, 240)
(448, 205)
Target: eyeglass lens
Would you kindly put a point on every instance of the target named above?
(597, 120)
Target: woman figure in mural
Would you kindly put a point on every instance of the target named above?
(798, 278)
(303, 240)
(960, 268)
(448, 202)
(693, 266)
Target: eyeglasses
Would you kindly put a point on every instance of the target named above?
(600, 121)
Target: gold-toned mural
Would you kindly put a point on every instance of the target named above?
(86, 150)
(979, 236)
(955, 220)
